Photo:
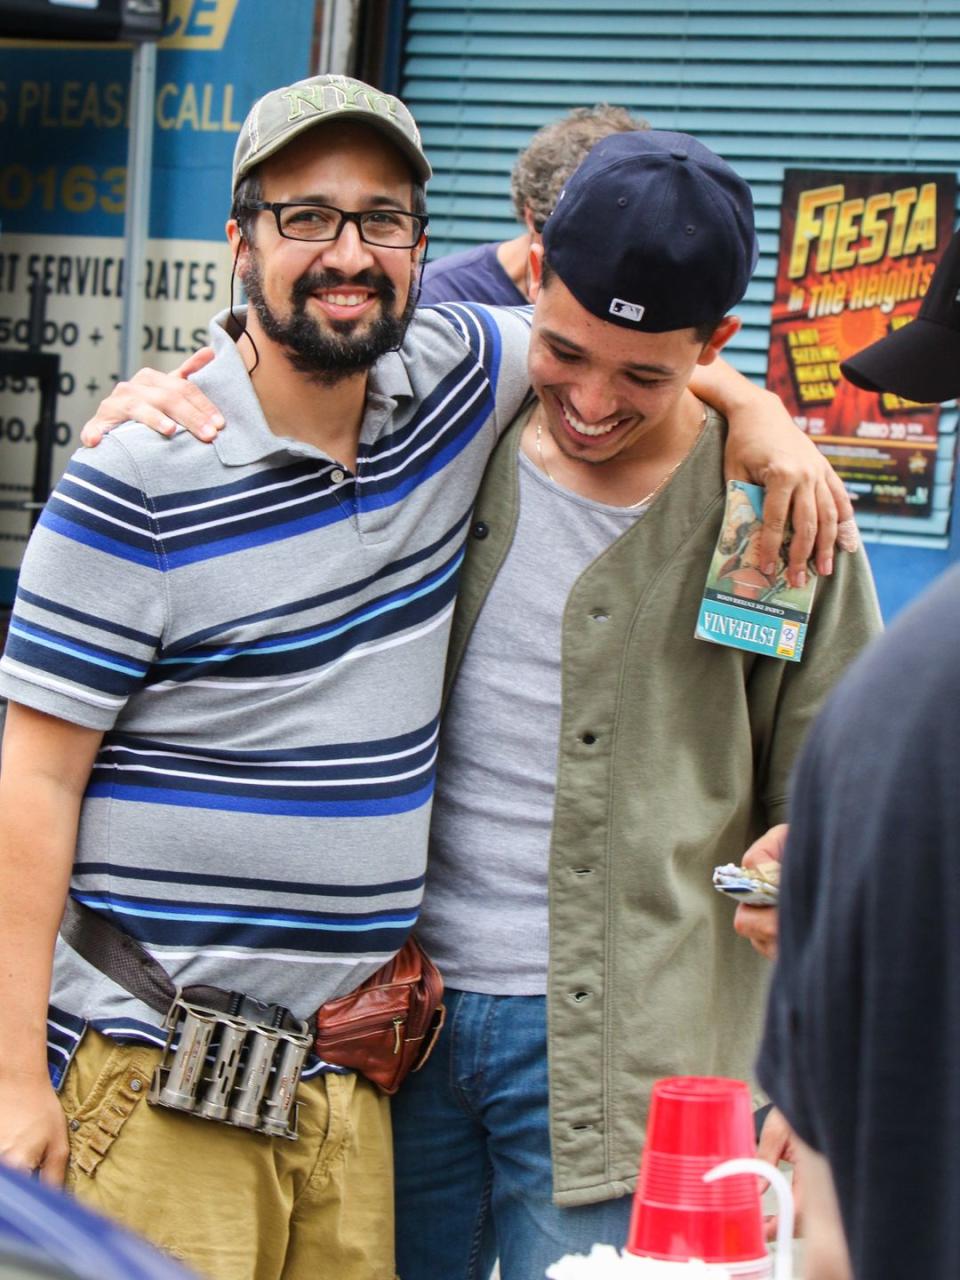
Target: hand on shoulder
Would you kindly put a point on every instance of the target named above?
(162, 401)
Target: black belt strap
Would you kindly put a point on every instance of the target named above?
(132, 967)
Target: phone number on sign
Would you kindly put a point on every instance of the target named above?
(77, 189)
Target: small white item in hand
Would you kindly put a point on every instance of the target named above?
(758, 886)
(606, 1263)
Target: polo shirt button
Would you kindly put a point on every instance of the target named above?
(337, 476)
(588, 739)
(481, 529)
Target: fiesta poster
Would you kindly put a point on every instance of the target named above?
(857, 252)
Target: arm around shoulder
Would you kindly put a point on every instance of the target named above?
(160, 401)
(513, 379)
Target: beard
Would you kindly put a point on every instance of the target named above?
(329, 355)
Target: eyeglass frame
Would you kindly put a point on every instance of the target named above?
(356, 217)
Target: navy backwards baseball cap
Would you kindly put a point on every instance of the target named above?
(653, 232)
(921, 360)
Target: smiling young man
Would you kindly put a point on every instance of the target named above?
(596, 760)
(606, 398)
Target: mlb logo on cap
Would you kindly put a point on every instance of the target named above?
(626, 310)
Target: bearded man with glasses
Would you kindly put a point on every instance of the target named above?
(224, 685)
(340, 346)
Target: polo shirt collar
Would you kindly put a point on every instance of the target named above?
(247, 438)
(389, 378)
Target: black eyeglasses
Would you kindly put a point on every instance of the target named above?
(387, 228)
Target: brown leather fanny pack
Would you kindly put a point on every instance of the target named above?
(389, 1025)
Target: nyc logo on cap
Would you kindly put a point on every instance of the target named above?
(627, 310)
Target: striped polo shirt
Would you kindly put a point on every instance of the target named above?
(261, 634)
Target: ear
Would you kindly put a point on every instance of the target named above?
(418, 250)
(235, 239)
(529, 222)
(724, 331)
(535, 269)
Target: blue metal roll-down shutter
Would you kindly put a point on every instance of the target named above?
(768, 85)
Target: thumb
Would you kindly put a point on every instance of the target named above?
(767, 848)
(53, 1171)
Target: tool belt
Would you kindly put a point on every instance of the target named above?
(231, 1058)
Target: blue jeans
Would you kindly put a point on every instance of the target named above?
(472, 1153)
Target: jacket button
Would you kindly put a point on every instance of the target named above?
(600, 617)
(480, 529)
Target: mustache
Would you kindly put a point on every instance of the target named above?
(316, 281)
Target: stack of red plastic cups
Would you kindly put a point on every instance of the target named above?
(695, 1124)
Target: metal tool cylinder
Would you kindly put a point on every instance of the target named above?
(279, 1102)
(215, 1104)
(261, 1046)
(187, 1061)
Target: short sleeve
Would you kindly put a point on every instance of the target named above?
(788, 695)
(89, 614)
(499, 337)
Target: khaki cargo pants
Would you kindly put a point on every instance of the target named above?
(235, 1205)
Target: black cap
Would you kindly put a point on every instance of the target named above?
(921, 360)
(653, 232)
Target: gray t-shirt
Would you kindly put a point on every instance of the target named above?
(484, 916)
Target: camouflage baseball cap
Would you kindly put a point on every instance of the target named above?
(283, 114)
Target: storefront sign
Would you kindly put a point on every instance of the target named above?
(64, 114)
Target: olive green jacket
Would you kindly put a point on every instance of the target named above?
(674, 755)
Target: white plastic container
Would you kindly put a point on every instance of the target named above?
(605, 1263)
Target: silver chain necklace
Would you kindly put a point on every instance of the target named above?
(647, 497)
